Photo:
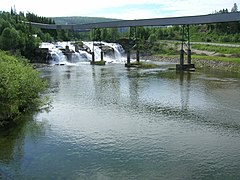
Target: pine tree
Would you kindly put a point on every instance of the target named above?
(234, 8)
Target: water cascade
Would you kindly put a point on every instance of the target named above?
(61, 53)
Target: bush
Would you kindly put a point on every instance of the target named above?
(20, 87)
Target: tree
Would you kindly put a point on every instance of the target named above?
(234, 8)
(113, 34)
(47, 37)
(4, 24)
(63, 35)
(143, 33)
(104, 34)
(97, 34)
(12, 11)
(9, 39)
(152, 38)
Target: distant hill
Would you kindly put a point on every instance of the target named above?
(80, 20)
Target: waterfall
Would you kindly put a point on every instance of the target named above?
(57, 52)
(118, 51)
(54, 55)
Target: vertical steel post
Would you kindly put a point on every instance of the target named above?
(137, 56)
(128, 57)
(101, 45)
(182, 51)
(129, 51)
(93, 54)
(137, 47)
(101, 55)
(189, 53)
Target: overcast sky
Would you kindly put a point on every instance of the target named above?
(120, 9)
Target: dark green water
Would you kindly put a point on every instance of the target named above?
(113, 123)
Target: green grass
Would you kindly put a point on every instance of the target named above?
(217, 49)
(215, 58)
(143, 65)
(167, 55)
(99, 63)
(204, 57)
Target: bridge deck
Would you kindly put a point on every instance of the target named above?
(185, 20)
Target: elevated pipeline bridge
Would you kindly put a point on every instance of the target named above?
(183, 21)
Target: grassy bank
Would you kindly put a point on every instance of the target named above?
(215, 56)
(220, 63)
(143, 65)
(200, 61)
(20, 88)
(218, 59)
(233, 51)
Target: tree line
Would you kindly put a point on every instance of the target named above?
(20, 38)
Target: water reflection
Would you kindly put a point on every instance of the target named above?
(13, 141)
(185, 86)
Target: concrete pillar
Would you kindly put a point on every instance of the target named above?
(128, 57)
(76, 48)
(93, 58)
(129, 51)
(93, 54)
(69, 56)
(137, 56)
(181, 57)
(182, 51)
(189, 56)
(101, 55)
(67, 49)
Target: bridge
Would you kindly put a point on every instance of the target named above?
(183, 21)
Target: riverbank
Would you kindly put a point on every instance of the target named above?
(219, 63)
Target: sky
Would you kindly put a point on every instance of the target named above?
(119, 9)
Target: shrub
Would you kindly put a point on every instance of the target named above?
(20, 87)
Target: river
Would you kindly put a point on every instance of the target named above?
(110, 122)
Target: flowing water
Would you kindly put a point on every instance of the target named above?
(110, 122)
(56, 56)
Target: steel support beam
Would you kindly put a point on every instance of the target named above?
(93, 53)
(189, 52)
(189, 66)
